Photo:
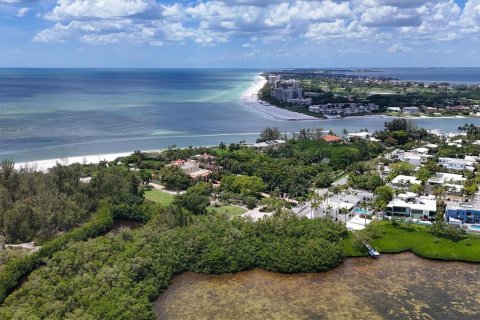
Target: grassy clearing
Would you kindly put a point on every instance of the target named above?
(159, 196)
(349, 248)
(389, 238)
(228, 210)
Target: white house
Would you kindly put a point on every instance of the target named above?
(452, 163)
(421, 150)
(411, 110)
(401, 180)
(360, 135)
(451, 182)
(268, 144)
(409, 205)
(394, 109)
(413, 158)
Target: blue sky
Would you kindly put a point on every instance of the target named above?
(239, 33)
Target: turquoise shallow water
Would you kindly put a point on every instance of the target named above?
(51, 113)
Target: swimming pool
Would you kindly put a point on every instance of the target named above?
(475, 227)
(363, 211)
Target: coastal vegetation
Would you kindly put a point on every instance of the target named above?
(390, 237)
(88, 269)
(124, 272)
(37, 206)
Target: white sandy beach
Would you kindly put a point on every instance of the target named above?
(250, 99)
(45, 165)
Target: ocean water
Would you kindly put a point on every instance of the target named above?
(52, 113)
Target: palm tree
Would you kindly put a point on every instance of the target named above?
(363, 205)
(329, 211)
(314, 207)
(313, 198)
(344, 211)
(380, 206)
(438, 191)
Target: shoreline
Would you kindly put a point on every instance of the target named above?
(45, 165)
(250, 99)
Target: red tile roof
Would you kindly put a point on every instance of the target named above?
(331, 138)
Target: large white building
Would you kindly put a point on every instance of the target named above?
(285, 90)
(408, 205)
(453, 164)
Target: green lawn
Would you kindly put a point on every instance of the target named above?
(159, 196)
(229, 210)
(393, 239)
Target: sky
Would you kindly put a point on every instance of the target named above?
(239, 33)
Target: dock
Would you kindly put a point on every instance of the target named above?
(373, 253)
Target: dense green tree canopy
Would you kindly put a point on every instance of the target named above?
(174, 178)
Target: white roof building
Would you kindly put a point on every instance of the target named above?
(451, 182)
(411, 110)
(409, 205)
(361, 135)
(421, 150)
(454, 164)
(402, 180)
(412, 158)
(268, 144)
(394, 109)
(442, 178)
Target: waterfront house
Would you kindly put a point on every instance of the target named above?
(409, 205)
(394, 109)
(411, 110)
(359, 135)
(465, 212)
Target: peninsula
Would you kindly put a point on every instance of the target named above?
(335, 94)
